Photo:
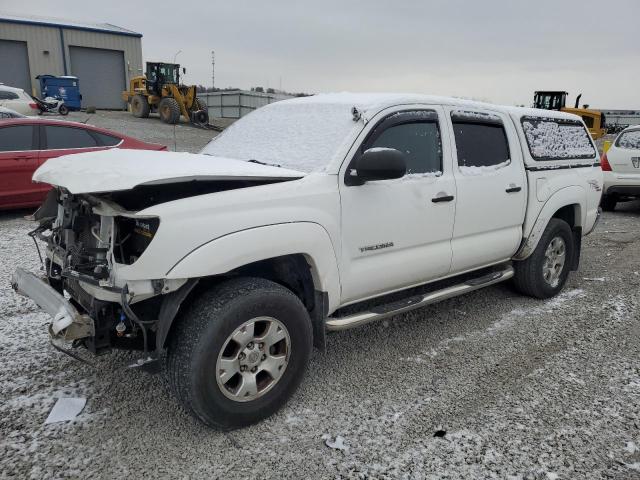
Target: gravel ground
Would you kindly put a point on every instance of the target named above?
(511, 387)
(524, 389)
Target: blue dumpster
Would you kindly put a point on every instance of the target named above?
(65, 87)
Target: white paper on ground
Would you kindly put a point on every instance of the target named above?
(66, 409)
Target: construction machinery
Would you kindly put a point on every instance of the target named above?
(556, 100)
(159, 90)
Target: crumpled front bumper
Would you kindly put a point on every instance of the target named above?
(68, 323)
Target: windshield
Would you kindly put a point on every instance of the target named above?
(301, 135)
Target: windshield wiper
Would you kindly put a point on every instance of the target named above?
(264, 163)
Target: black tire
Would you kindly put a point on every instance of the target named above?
(140, 106)
(199, 112)
(169, 110)
(529, 277)
(608, 203)
(199, 104)
(63, 110)
(202, 331)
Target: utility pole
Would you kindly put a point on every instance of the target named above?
(213, 69)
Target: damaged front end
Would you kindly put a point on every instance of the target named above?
(89, 239)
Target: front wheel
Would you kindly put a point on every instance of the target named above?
(63, 110)
(239, 352)
(545, 271)
(169, 110)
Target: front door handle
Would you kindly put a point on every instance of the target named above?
(513, 189)
(443, 198)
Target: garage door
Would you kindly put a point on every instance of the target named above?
(101, 76)
(15, 54)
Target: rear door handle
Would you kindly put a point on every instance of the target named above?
(513, 189)
(443, 198)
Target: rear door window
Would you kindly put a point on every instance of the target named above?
(557, 139)
(18, 138)
(481, 141)
(630, 140)
(68, 137)
(106, 140)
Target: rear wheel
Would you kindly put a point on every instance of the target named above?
(140, 106)
(545, 271)
(239, 352)
(169, 110)
(608, 203)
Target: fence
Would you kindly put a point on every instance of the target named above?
(237, 103)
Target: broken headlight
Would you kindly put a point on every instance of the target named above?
(132, 237)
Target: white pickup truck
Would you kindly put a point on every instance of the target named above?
(313, 214)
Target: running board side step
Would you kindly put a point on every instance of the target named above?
(417, 301)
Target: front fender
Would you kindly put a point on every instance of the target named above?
(237, 249)
(573, 195)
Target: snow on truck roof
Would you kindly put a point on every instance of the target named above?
(374, 102)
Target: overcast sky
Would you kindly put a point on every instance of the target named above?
(495, 50)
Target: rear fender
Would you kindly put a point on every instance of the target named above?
(573, 195)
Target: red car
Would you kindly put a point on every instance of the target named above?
(26, 143)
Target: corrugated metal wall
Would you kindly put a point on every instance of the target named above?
(237, 104)
(46, 55)
(40, 40)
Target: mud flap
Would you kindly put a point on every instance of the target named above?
(577, 246)
(318, 318)
(169, 309)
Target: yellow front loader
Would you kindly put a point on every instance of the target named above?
(160, 91)
(556, 100)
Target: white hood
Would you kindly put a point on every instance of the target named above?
(119, 169)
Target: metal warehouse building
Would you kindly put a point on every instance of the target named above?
(102, 56)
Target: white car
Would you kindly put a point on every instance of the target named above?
(312, 214)
(18, 100)
(621, 167)
(8, 113)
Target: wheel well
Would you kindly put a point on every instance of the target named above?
(294, 272)
(571, 215)
(290, 271)
(568, 214)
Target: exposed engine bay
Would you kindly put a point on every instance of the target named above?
(87, 239)
(90, 240)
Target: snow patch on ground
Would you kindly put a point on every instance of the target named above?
(505, 322)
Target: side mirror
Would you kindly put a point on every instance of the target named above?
(184, 70)
(378, 164)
